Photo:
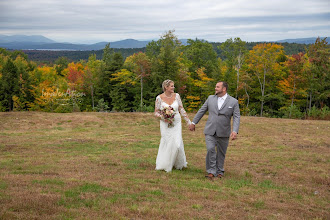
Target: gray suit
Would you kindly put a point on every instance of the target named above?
(218, 129)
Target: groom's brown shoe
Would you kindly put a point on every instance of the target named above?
(209, 176)
(219, 176)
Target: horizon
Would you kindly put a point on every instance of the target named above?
(148, 40)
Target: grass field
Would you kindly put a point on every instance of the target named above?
(101, 166)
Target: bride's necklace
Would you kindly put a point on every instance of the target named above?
(167, 96)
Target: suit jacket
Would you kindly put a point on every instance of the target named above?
(219, 120)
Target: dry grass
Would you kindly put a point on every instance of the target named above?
(101, 166)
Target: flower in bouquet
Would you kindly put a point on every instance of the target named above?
(168, 114)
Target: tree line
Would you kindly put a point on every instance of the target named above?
(264, 78)
(50, 56)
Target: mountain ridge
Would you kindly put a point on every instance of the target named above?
(25, 38)
(39, 42)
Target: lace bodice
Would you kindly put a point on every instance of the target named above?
(160, 103)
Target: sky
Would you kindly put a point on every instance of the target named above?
(91, 21)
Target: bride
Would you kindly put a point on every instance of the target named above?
(171, 150)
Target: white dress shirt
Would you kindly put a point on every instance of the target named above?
(221, 100)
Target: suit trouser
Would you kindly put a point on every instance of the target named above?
(216, 152)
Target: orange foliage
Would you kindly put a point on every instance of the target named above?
(75, 75)
(293, 84)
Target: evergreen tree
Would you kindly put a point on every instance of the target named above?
(112, 62)
(164, 55)
(200, 53)
(60, 64)
(9, 85)
(234, 52)
(319, 74)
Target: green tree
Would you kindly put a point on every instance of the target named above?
(92, 72)
(200, 53)
(60, 64)
(112, 62)
(319, 74)
(9, 85)
(164, 55)
(234, 51)
(123, 92)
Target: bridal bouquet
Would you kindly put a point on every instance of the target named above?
(168, 114)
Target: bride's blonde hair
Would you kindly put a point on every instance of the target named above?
(166, 83)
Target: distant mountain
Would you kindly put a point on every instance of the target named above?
(38, 42)
(310, 40)
(16, 43)
(129, 43)
(25, 38)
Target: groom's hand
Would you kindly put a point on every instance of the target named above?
(192, 127)
(233, 135)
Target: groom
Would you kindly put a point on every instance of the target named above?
(221, 107)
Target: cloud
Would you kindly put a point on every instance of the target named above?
(96, 20)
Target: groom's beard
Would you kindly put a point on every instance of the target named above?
(216, 93)
(219, 92)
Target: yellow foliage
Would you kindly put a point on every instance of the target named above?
(202, 83)
(18, 105)
(124, 77)
(48, 97)
(193, 102)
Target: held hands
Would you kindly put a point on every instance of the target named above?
(233, 135)
(192, 127)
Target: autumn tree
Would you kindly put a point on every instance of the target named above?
(48, 89)
(140, 65)
(75, 75)
(25, 95)
(292, 84)
(263, 64)
(202, 83)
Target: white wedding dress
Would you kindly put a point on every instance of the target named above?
(171, 149)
